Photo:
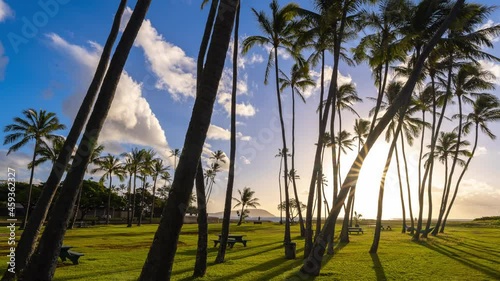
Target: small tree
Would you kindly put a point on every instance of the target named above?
(292, 203)
(246, 200)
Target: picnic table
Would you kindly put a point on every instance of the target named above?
(232, 239)
(66, 253)
(355, 229)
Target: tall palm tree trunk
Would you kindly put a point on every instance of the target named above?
(129, 198)
(455, 158)
(108, 206)
(420, 187)
(401, 195)
(26, 245)
(200, 266)
(77, 207)
(443, 199)
(289, 250)
(154, 197)
(133, 201)
(279, 184)
(158, 264)
(312, 264)
(28, 204)
(443, 225)
(378, 224)
(43, 264)
(232, 150)
(301, 222)
(407, 182)
(141, 203)
(380, 94)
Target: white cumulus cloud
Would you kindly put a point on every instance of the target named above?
(130, 119)
(5, 11)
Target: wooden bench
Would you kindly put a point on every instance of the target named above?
(66, 253)
(257, 222)
(355, 229)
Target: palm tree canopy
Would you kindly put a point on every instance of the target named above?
(361, 130)
(486, 108)
(246, 198)
(111, 166)
(35, 126)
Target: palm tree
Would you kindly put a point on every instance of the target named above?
(446, 147)
(158, 170)
(159, 262)
(27, 243)
(111, 166)
(134, 160)
(281, 155)
(312, 264)
(35, 126)
(486, 108)
(279, 30)
(299, 80)
(469, 79)
(210, 175)
(44, 261)
(175, 153)
(246, 200)
(48, 153)
(94, 158)
(146, 170)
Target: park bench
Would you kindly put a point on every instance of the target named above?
(355, 229)
(257, 222)
(66, 253)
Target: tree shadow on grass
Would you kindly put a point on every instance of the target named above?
(447, 251)
(488, 248)
(377, 266)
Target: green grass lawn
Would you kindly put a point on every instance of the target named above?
(118, 253)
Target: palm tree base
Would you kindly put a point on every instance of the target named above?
(290, 250)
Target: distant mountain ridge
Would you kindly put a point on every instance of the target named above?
(254, 213)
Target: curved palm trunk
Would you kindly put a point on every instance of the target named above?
(420, 187)
(241, 215)
(158, 264)
(443, 225)
(430, 168)
(403, 229)
(443, 198)
(335, 172)
(380, 94)
(28, 205)
(108, 206)
(232, 153)
(312, 264)
(26, 245)
(289, 251)
(450, 179)
(378, 224)
(44, 262)
(200, 266)
(319, 184)
(301, 222)
(154, 197)
(407, 184)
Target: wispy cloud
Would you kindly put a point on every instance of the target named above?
(4, 60)
(316, 76)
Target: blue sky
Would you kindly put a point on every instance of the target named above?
(48, 54)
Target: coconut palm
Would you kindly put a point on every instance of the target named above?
(111, 166)
(159, 261)
(279, 31)
(446, 148)
(281, 155)
(48, 152)
(134, 160)
(158, 170)
(246, 200)
(146, 170)
(312, 264)
(26, 244)
(94, 158)
(38, 126)
(44, 261)
(299, 80)
(210, 175)
(175, 153)
(486, 108)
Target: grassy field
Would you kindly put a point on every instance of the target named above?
(465, 252)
